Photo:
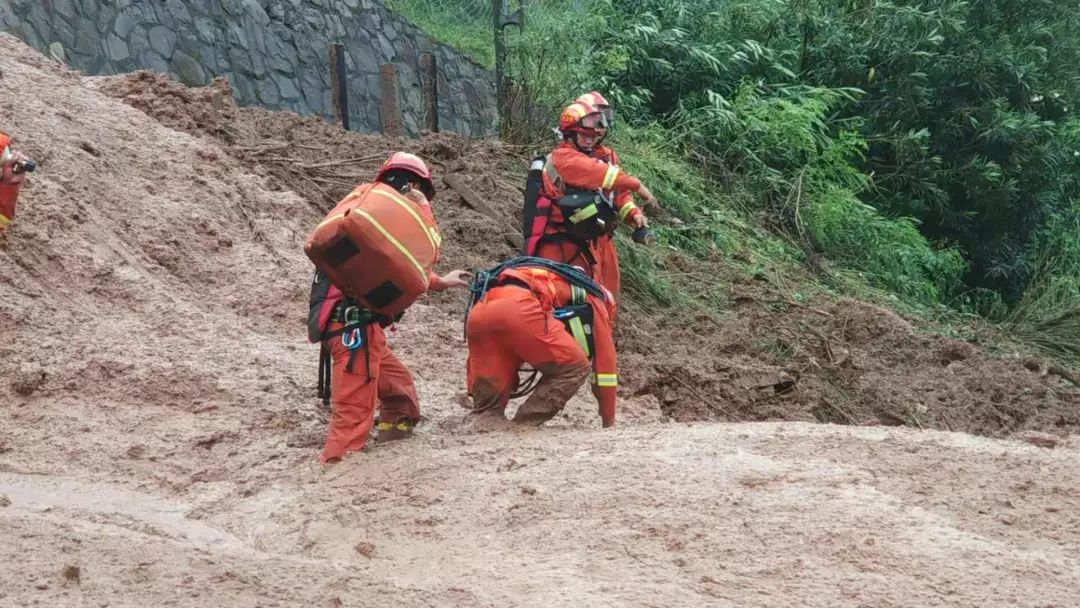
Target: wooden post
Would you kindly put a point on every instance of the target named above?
(389, 106)
(338, 85)
(501, 96)
(430, 84)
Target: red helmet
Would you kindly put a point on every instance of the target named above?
(598, 101)
(403, 161)
(580, 116)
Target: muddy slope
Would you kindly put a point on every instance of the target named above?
(766, 357)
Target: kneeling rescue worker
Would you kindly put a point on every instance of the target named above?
(13, 169)
(569, 202)
(374, 253)
(551, 316)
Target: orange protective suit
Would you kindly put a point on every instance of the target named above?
(578, 170)
(607, 257)
(377, 377)
(9, 193)
(514, 324)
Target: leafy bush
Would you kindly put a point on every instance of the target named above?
(891, 253)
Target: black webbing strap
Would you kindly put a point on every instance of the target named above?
(324, 374)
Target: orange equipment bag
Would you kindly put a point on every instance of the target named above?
(378, 247)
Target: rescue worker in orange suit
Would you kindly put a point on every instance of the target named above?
(518, 318)
(12, 176)
(607, 257)
(572, 165)
(359, 380)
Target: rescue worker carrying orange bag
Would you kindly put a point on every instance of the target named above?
(550, 316)
(374, 253)
(568, 202)
(13, 169)
(607, 257)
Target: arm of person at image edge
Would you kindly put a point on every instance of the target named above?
(10, 182)
(579, 170)
(605, 361)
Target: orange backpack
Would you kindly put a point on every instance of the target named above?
(378, 247)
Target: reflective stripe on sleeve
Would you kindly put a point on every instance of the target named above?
(609, 177)
(606, 380)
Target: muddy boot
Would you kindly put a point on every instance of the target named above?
(557, 385)
(393, 431)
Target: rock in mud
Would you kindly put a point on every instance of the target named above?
(72, 573)
(28, 380)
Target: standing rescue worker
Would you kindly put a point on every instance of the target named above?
(550, 316)
(12, 175)
(607, 257)
(359, 380)
(572, 169)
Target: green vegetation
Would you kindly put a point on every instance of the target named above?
(462, 24)
(927, 148)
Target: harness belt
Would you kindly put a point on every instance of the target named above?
(355, 333)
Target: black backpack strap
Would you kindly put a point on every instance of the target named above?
(324, 374)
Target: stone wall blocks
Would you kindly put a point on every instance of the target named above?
(233, 7)
(152, 61)
(86, 36)
(286, 84)
(163, 41)
(115, 48)
(188, 69)
(273, 51)
(123, 25)
(56, 51)
(106, 19)
(64, 9)
(206, 30)
(268, 92)
(178, 9)
(236, 36)
(88, 8)
(138, 42)
(256, 11)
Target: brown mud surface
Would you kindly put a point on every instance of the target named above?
(159, 431)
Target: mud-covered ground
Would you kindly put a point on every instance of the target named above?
(159, 431)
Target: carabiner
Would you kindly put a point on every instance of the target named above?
(353, 339)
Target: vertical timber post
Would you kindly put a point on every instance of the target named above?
(389, 106)
(501, 97)
(338, 85)
(501, 18)
(430, 83)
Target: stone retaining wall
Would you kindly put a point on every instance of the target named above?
(275, 52)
